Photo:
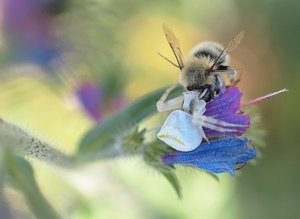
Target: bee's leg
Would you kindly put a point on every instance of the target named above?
(218, 87)
(232, 73)
(237, 79)
(163, 105)
(234, 76)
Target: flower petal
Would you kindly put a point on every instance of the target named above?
(219, 156)
(226, 103)
(224, 108)
(89, 95)
(239, 119)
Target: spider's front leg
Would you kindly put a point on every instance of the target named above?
(163, 105)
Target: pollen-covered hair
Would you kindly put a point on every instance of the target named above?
(211, 50)
(204, 62)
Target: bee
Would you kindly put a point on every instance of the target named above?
(206, 65)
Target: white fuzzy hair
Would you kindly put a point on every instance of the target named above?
(210, 47)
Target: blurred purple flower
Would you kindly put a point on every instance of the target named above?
(219, 156)
(225, 108)
(90, 96)
(28, 27)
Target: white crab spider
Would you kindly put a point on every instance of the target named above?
(183, 128)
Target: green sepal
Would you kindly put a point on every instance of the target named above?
(21, 176)
(132, 141)
(152, 156)
(173, 180)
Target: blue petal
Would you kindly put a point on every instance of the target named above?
(219, 156)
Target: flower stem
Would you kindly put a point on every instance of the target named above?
(17, 140)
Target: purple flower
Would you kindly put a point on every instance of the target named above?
(219, 156)
(29, 30)
(89, 95)
(225, 108)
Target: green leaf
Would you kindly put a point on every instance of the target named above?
(2, 164)
(4, 207)
(152, 156)
(22, 176)
(5, 210)
(173, 180)
(102, 136)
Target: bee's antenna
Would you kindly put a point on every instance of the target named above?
(168, 60)
(217, 59)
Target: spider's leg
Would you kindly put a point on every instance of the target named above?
(163, 105)
(217, 128)
(220, 122)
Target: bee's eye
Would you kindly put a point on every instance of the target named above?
(189, 88)
(193, 87)
(222, 67)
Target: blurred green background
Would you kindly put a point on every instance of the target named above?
(100, 38)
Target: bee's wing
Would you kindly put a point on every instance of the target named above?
(232, 45)
(174, 44)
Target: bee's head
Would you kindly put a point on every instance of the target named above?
(194, 74)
